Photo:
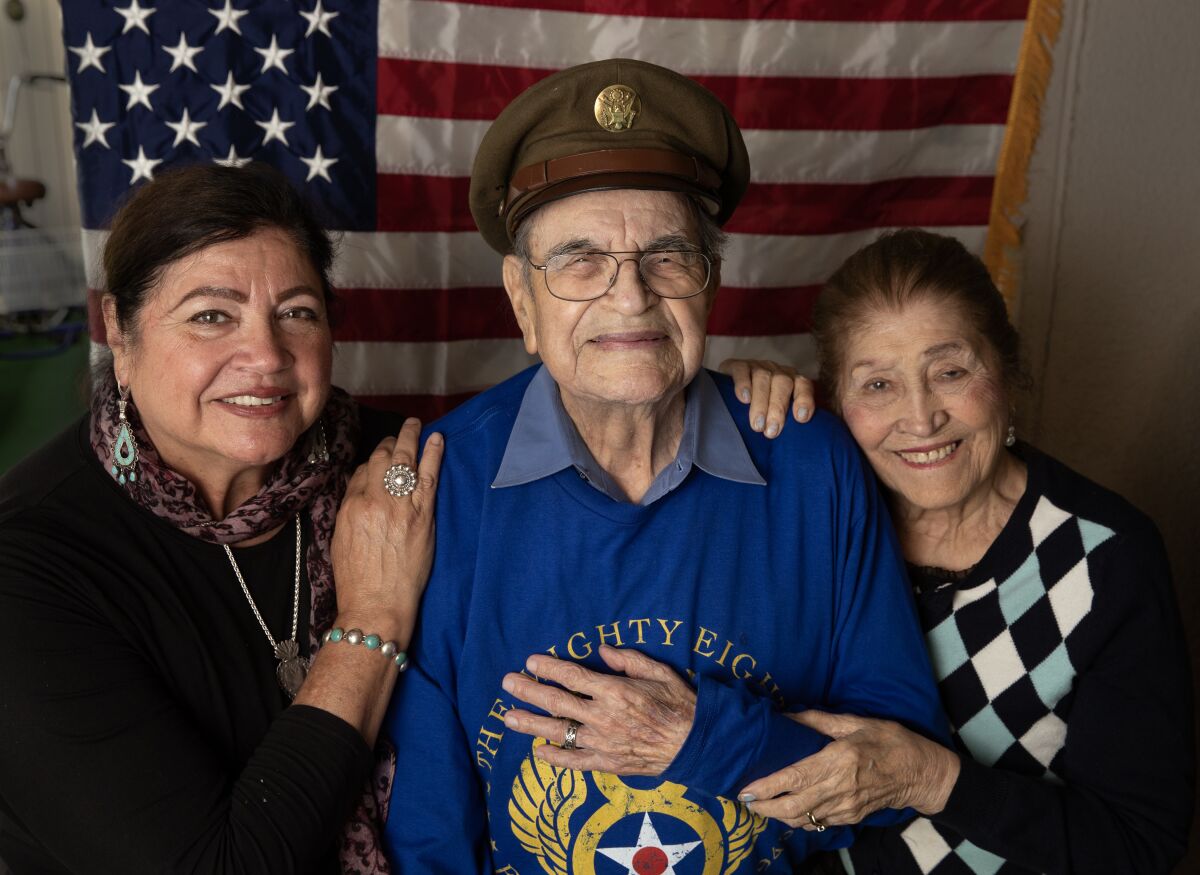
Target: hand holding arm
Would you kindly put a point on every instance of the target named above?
(382, 552)
(769, 387)
(871, 764)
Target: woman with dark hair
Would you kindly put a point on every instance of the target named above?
(167, 565)
(1045, 599)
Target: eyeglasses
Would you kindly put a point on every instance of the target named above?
(585, 276)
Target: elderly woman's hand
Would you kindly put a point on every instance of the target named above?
(633, 724)
(383, 544)
(769, 387)
(871, 764)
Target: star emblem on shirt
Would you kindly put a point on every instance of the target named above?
(231, 92)
(90, 54)
(185, 129)
(275, 128)
(227, 18)
(135, 16)
(182, 54)
(273, 56)
(139, 92)
(318, 165)
(142, 167)
(318, 19)
(95, 131)
(233, 159)
(649, 856)
(318, 93)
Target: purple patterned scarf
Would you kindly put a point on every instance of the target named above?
(306, 480)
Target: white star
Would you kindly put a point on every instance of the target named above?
(182, 54)
(232, 159)
(228, 18)
(142, 167)
(95, 131)
(318, 19)
(138, 91)
(273, 56)
(276, 129)
(135, 16)
(318, 165)
(230, 92)
(318, 93)
(650, 854)
(90, 54)
(185, 129)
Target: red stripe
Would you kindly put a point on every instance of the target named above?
(804, 10)
(751, 312)
(425, 407)
(479, 91)
(780, 208)
(423, 315)
(836, 209)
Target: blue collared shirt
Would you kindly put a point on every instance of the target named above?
(544, 441)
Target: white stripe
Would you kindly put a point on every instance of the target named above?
(476, 34)
(462, 259)
(446, 147)
(455, 367)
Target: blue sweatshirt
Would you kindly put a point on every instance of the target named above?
(769, 598)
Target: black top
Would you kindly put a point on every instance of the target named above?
(1062, 665)
(141, 725)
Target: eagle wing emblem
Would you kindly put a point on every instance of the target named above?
(742, 827)
(543, 799)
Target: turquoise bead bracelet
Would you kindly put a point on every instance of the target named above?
(390, 649)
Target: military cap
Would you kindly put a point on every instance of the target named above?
(606, 125)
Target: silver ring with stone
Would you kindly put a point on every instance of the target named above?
(570, 733)
(400, 480)
(817, 825)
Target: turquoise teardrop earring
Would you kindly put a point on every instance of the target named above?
(124, 448)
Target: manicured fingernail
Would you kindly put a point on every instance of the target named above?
(745, 396)
(759, 422)
(508, 684)
(435, 438)
(745, 797)
(510, 720)
(772, 430)
(801, 413)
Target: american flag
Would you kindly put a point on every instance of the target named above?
(859, 115)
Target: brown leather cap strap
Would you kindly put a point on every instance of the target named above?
(611, 164)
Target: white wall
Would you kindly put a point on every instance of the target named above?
(41, 146)
(1110, 309)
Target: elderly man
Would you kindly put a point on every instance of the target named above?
(630, 588)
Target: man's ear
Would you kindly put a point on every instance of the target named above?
(520, 296)
(115, 339)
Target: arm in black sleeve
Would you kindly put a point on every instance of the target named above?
(1127, 767)
(104, 767)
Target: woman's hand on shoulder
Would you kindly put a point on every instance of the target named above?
(869, 765)
(770, 389)
(382, 543)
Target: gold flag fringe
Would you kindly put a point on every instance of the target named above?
(1002, 250)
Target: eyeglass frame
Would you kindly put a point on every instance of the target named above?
(641, 253)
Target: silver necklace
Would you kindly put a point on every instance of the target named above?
(292, 667)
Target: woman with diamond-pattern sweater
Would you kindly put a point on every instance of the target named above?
(1046, 603)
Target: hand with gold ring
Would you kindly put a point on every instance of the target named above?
(869, 765)
(383, 539)
(632, 722)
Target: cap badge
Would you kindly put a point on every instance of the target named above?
(617, 107)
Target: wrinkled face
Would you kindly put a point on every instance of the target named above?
(232, 356)
(923, 397)
(629, 346)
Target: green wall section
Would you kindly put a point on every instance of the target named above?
(38, 396)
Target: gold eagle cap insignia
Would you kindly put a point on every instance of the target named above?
(617, 108)
(543, 799)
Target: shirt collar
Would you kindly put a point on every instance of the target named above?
(544, 441)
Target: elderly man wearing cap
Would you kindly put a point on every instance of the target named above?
(630, 587)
